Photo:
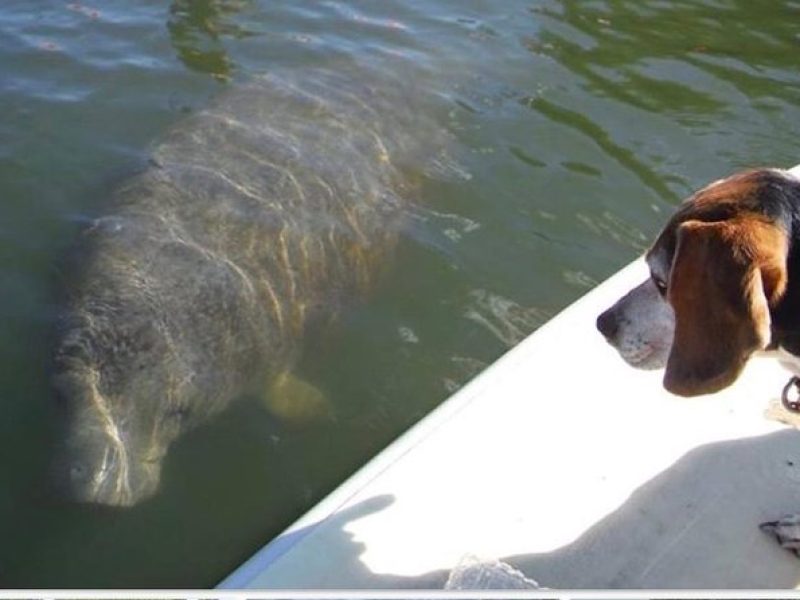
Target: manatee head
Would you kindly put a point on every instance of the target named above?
(113, 425)
(103, 454)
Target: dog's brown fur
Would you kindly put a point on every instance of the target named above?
(723, 263)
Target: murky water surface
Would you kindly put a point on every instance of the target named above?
(573, 129)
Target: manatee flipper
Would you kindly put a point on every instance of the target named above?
(295, 401)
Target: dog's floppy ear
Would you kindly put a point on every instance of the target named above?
(725, 275)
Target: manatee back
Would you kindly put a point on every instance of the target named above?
(272, 207)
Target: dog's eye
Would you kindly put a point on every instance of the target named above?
(661, 285)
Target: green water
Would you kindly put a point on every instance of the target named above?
(576, 127)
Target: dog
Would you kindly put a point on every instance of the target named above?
(724, 286)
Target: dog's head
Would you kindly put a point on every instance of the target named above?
(718, 273)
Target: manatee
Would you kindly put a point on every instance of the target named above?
(268, 211)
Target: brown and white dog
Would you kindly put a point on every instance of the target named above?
(724, 285)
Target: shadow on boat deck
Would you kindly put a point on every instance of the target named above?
(695, 525)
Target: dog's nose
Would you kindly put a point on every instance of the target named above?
(607, 324)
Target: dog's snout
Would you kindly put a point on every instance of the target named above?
(608, 324)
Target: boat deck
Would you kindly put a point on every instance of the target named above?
(573, 467)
